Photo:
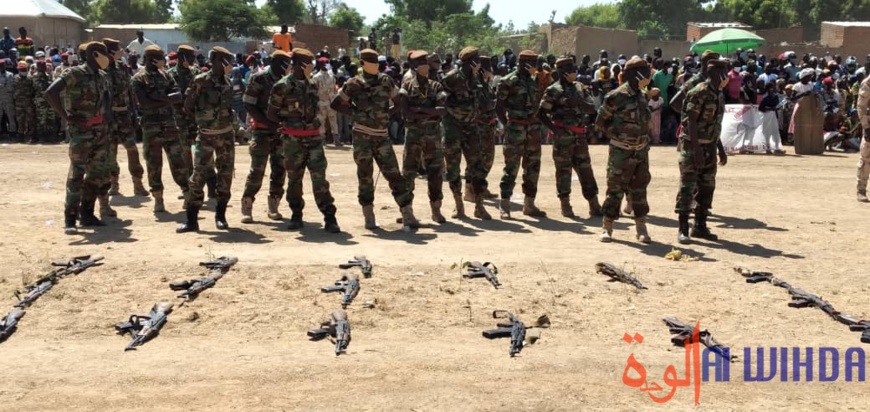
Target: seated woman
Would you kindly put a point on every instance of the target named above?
(848, 137)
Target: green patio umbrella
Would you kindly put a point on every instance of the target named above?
(725, 41)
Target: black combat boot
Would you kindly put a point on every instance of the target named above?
(192, 224)
(700, 229)
(220, 216)
(69, 222)
(88, 217)
(330, 224)
(210, 184)
(683, 235)
(296, 222)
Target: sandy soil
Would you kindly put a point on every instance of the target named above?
(242, 344)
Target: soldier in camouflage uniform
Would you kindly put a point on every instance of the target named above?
(371, 94)
(293, 103)
(701, 122)
(266, 146)
(156, 92)
(461, 131)
(624, 117)
(121, 125)
(7, 97)
(488, 122)
(422, 106)
(565, 109)
(85, 93)
(210, 97)
(25, 110)
(46, 117)
(517, 108)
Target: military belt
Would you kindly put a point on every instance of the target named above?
(627, 146)
(574, 129)
(93, 121)
(370, 131)
(216, 131)
(119, 109)
(289, 131)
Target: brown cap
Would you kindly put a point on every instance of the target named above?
(419, 54)
(83, 46)
(368, 54)
(717, 63)
(304, 53)
(469, 53)
(709, 55)
(218, 50)
(153, 51)
(434, 57)
(96, 46)
(636, 63)
(528, 55)
(280, 53)
(111, 42)
(564, 62)
(186, 49)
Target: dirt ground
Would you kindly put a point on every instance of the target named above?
(242, 344)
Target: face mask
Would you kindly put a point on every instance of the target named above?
(371, 68)
(284, 67)
(117, 54)
(642, 82)
(102, 60)
(423, 70)
(308, 69)
(724, 82)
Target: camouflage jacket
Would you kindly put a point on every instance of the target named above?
(325, 82)
(426, 96)
(462, 94)
(295, 102)
(487, 102)
(24, 91)
(707, 106)
(555, 99)
(86, 91)
(158, 83)
(518, 94)
(40, 81)
(691, 83)
(260, 88)
(625, 117)
(119, 82)
(182, 77)
(370, 97)
(212, 101)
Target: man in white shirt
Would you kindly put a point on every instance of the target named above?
(139, 44)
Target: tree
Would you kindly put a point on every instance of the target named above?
(597, 15)
(222, 20)
(162, 11)
(660, 18)
(429, 10)
(285, 11)
(81, 7)
(347, 18)
(320, 10)
(761, 14)
(124, 11)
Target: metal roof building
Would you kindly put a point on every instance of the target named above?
(47, 21)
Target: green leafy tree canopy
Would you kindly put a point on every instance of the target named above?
(222, 20)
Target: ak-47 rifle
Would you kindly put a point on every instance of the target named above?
(364, 264)
(486, 270)
(349, 285)
(222, 263)
(514, 329)
(683, 332)
(145, 327)
(75, 266)
(337, 328)
(193, 287)
(9, 323)
(617, 275)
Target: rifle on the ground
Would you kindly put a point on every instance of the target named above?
(9, 323)
(514, 329)
(193, 287)
(143, 328)
(486, 270)
(75, 266)
(348, 285)
(364, 264)
(223, 263)
(618, 275)
(683, 332)
(337, 328)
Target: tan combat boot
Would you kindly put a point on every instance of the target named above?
(567, 210)
(273, 208)
(369, 216)
(606, 230)
(138, 188)
(594, 207)
(247, 210)
(640, 228)
(504, 209)
(479, 210)
(158, 202)
(114, 189)
(408, 218)
(469, 194)
(459, 213)
(436, 212)
(529, 208)
(105, 209)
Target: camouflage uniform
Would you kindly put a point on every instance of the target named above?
(25, 110)
(627, 116)
(90, 171)
(488, 122)
(423, 137)
(186, 123)
(705, 104)
(296, 104)
(522, 134)
(7, 99)
(570, 148)
(266, 146)
(121, 129)
(46, 119)
(159, 131)
(213, 114)
(462, 133)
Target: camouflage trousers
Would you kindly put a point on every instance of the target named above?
(863, 166)
(300, 153)
(221, 147)
(47, 123)
(627, 173)
(487, 145)
(522, 147)
(89, 169)
(370, 149)
(157, 139)
(121, 132)
(25, 116)
(187, 136)
(266, 147)
(571, 154)
(460, 139)
(7, 107)
(423, 147)
(697, 185)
